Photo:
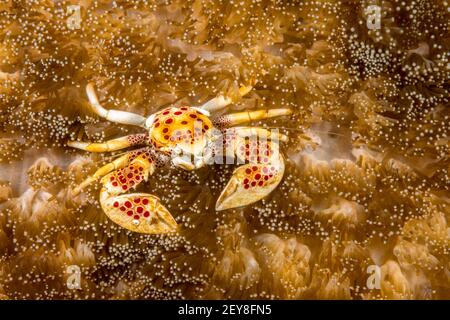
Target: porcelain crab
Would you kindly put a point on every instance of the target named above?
(190, 138)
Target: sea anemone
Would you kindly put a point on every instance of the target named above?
(366, 184)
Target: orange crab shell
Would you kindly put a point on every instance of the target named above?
(179, 125)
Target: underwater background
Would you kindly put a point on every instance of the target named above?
(367, 180)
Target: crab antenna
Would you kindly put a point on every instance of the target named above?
(303, 130)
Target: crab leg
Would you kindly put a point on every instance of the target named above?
(223, 101)
(110, 145)
(107, 168)
(113, 115)
(232, 119)
(257, 132)
(253, 181)
(137, 212)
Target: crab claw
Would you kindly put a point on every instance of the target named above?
(250, 183)
(139, 212)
